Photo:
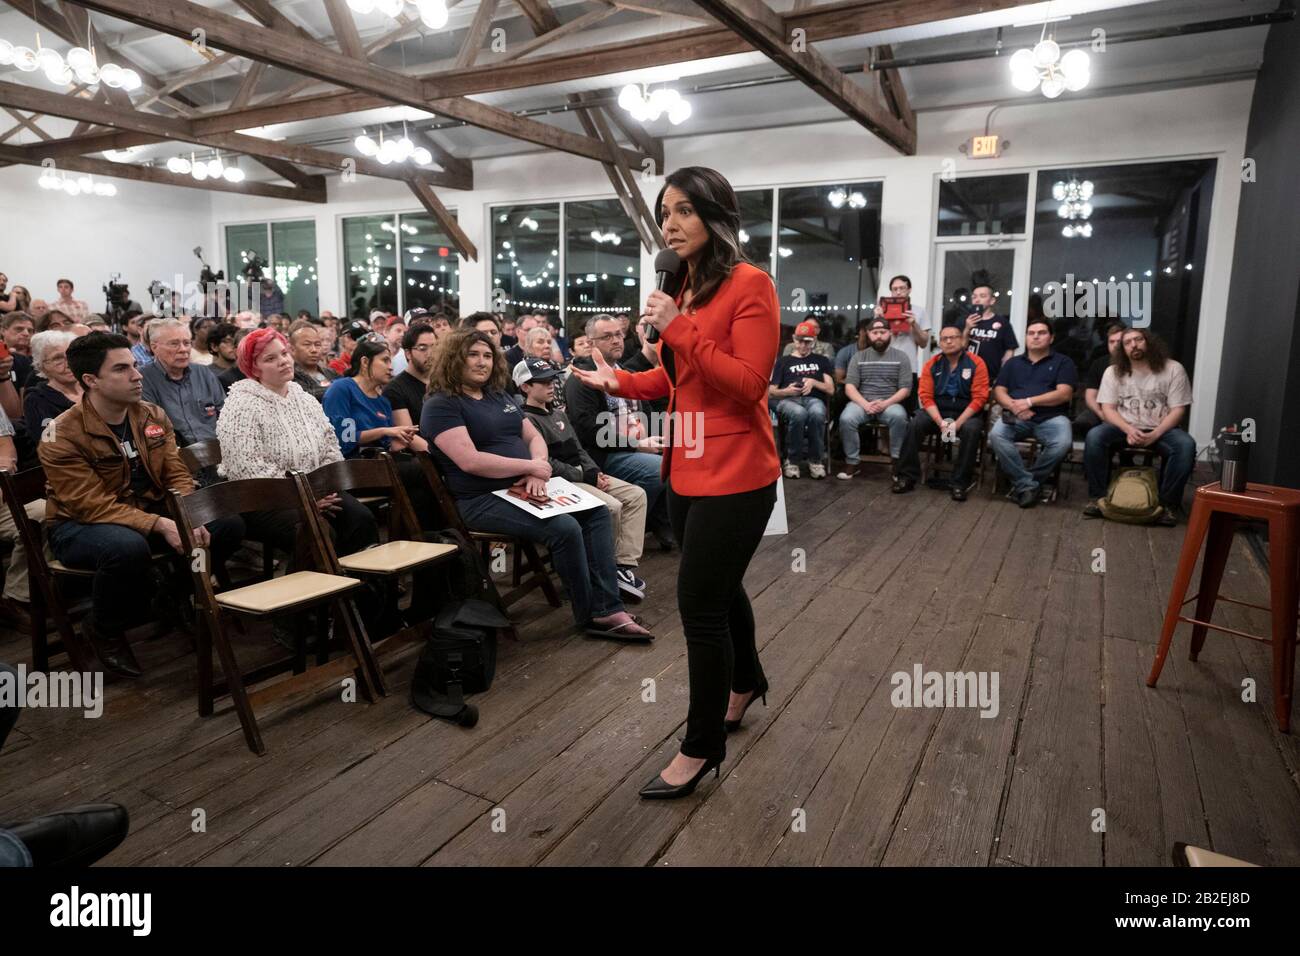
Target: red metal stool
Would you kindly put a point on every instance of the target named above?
(1214, 512)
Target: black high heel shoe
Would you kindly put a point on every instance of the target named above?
(759, 691)
(661, 789)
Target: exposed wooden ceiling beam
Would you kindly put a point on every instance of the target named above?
(264, 13)
(443, 215)
(764, 29)
(453, 164)
(292, 173)
(233, 35)
(345, 29)
(476, 34)
(169, 128)
(154, 174)
(891, 88)
(248, 85)
(27, 122)
(661, 8)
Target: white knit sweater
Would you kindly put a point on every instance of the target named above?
(263, 435)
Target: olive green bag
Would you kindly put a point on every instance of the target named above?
(1133, 498)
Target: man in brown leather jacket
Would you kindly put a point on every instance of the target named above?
(109, 462)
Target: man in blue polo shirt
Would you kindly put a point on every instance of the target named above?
(1034, 390)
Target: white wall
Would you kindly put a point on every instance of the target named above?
(145, 232)
(154, 239)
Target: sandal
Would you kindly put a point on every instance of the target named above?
(619, 632)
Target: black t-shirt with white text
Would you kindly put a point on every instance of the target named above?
(792, 370)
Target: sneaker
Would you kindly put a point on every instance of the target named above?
(902, 486)
(1168, 518)
(1046, 494)
(1092, 510)
(847, 472)
(958, 493)
(817, 470)
(630, 585)
(1028, 498)
(791, 470)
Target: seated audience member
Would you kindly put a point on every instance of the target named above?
(349, 336)
(309, 370)
(1034, 390)
(407, 389)
(801, 384)
(442, 324)
(485, 322)
(191, 395)
(55, 388)
(75, 309)
(581, 347)
(221, 346)
(40, 312)
(356, 406)
(270, 425)
(18, 329)
(392, 333)
(608, 425)
(15, 606)
(509, 332)
(519, 351)
(200, 351)
(819, 347)
(954, 388)
(78, 329)
(988, 334)
(143, 354)
(20, 300)
(53, 321)
(845, 355)
(1144, 398)
(1091, 416)
(482, 442)
(106, 517)
(913, 333)
(97, 323)
(878, 381)
(537, 379)
(234, 374)
(247, 320)
(8, 301)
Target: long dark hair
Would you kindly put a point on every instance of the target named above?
(1157, 353)
(367, 348)
(716, 204)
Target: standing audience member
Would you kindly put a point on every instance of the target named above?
(75, 309)
(878, 381)
(19, 300)
(8, 303)
(1035, 390)
(988, 334)
(1144, 396)
(109, 466)
(954, 388)
(801, 383)
(913, 332)
(191, 395)
(356, 406)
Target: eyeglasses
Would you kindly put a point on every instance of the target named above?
(608, 336)
(422, 348)
(56, 360)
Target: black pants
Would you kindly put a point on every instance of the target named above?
(718, 537)
(921, 427)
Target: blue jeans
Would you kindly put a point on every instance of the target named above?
(642, 469)
(853, 417)
(1178, 448)
(1055, 436)
(581, 546)
(804, 417)
(121, 558)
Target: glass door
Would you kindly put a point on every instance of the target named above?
(1006, 263)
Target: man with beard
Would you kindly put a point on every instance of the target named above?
(876, 383)
(1144, 397)
(407, 390)
(632, 454)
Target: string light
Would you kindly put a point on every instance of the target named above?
(80, 66)
(433, 13)
(648, 107)
(81, 186)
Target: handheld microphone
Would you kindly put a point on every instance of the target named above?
(667, 265)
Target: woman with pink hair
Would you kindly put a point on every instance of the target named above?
(268, 426)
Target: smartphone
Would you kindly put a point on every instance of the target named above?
(4, 351)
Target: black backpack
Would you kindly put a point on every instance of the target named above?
(460, 651)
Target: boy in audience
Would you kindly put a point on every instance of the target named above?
(109, 518)
(536, 379)
(1035, 390)
(801, 383)
(1144, 397)
(878, 381)
(954, 388)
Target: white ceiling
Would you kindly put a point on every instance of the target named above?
(1182, 60)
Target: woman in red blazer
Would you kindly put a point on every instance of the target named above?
(718, 343)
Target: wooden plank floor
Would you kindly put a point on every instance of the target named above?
(1082, 764)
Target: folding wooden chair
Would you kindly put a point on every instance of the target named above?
(294, 592)
(526, 557)
(404, 551)
(937, 457)
(48, 603)
(201, 454)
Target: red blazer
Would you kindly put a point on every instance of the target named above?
(724, 352)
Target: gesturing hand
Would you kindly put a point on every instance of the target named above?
(602, 377)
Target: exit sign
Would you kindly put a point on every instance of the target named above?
(984, 147)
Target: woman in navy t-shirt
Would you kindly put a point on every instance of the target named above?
(482, 442)
(356, 405)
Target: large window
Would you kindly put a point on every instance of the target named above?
(828, 254)
(1122, 243)
(285, 251)
(983, 205)
(526, 258)
(398, 262)
(756, 226)
(602, 260)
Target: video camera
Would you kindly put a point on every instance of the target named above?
(206, 275)
(117, 299)
(253, 267)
